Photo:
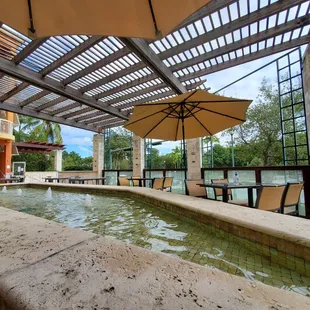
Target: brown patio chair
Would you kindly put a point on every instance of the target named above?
(270, 198)
(291, 198)
(123, 181)
(135, 182)
(218, 193)
(193, 189)
(158, 183)
(168, 184)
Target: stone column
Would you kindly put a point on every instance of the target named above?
(306, 84)
(194, 158)
(137, 156)
(98, 154)
(58, 160)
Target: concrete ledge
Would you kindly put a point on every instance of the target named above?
(79, 270)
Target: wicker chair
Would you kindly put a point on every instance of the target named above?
(270, 198)
(123, 181)
(168, 184)
(291, 198)
(158, 183)
(193, 189)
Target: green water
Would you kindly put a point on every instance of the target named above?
(155, 229)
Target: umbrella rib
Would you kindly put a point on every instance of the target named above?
(199, 121)
(196, 101)
(158, 123)
(236, 118)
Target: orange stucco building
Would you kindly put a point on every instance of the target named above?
(6, 140)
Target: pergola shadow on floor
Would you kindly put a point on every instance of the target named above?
(94, 82)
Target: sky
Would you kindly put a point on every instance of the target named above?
(80, 141)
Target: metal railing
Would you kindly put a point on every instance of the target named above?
(6, 127)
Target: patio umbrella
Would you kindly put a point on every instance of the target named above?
(121, 18)
(191, 115)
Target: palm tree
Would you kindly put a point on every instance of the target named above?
(39, 130)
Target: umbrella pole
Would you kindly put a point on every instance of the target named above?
(183, 141)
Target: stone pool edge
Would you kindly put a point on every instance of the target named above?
(88, 271)
(285, 239)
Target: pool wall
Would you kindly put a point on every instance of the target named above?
(46, 265)
(282, 238)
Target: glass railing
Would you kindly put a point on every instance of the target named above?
(6, 127)
(262, 175)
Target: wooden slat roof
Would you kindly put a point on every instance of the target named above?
(94, 82)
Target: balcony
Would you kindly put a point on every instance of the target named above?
(6, 130)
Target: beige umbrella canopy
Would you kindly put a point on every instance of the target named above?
(191, 115)
(194, 114)
(121, 18)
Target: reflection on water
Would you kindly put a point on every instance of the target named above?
(152, 228)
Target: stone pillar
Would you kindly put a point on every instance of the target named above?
(194, 158)
(58, 160)
(306, 84)
(137, 156)
(98, 153)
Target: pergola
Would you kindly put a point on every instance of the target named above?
(37, 147)
(94, 82)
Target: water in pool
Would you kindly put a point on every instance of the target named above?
(152, 228)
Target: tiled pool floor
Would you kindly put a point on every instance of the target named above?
(156, 229)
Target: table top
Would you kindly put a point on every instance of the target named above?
(55, 178)
(83, 179)
(231, 185)
(137, 178)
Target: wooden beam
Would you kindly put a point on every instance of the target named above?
(113, 123)
(241, 22)
(72, 54)
(34, 98)
(50, 104)
(112, 77)
(256, 38)
(94, 119)
(148, 99)
(30, 112)
(247, 58)
(130, 84)
(136, 93)
(208, 9)
(53, 86)
(29, 49)
(97, 65)
(66, 108)
(148, 56)
(88, 116)
(14, 91)
(79, 112)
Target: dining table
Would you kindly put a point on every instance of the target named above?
(142, 181)
(226, 186)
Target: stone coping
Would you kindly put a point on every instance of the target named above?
(293, 229)
(45, 265)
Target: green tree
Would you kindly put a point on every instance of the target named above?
(40, 130)
(262, 130)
